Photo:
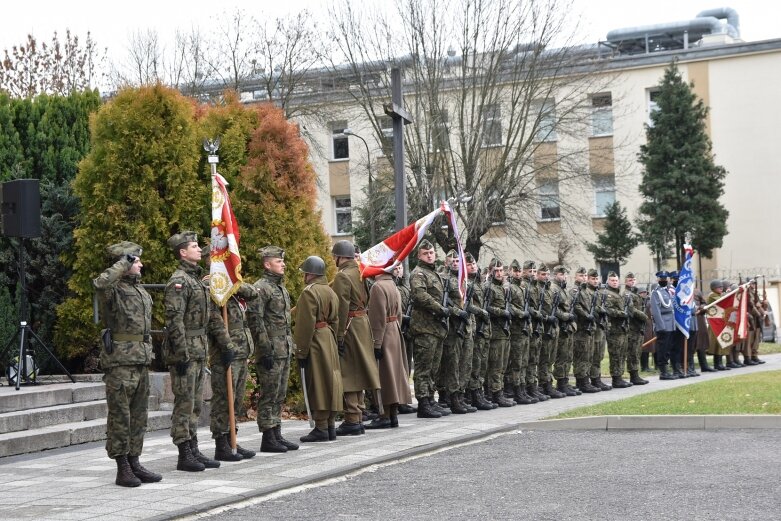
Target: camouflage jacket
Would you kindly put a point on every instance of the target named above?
(478, 298)
(191, 317)
(238, 323)
(496, 306)
(474, 306)
(269, 318)
(614, 306)
(583, 309)
(638, 318)
(426, 290)
(562, 309)
(455, 302)
(517, 302)
(126, 309)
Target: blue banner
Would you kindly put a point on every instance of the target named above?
(684, 295)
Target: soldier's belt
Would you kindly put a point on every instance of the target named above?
(127, 337)
(276, 331)
(356, 313)
(392, 318)
(321, 325)
(194, 332)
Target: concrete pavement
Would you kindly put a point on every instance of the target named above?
(77, 482)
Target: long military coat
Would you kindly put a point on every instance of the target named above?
(359, 367)
(385, 319)
(317, 315)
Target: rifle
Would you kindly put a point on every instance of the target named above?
(540, 328)
(445, 299)
(467, 303)
(527, 316)
(486, 291)
(571, 310)
(627, 302)
(552, 320)
(590, 327)
(603, 322)
(407, 318)
(507, 304)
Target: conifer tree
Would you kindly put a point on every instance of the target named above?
(681, 183)
(616, 242)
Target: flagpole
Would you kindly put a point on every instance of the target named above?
(213, 160)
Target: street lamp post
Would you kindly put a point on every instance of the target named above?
(349, 132)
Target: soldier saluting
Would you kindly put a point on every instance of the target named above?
(126, 310)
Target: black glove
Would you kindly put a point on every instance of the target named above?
(445, 312)
(378, 353)
(267, 362)
(524, 314)
(181, 368)
(227, 356)
(486, 316)
(507, 314)
(463, 315)
(303, 363)
(551, 319)
(590, 317)
(341, 347)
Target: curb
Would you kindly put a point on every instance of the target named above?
(658, 422)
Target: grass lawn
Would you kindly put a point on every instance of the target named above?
(758, 393)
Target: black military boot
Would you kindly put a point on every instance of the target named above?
(572, 388)
(145, 475)
(394, 416)
(331, 432)
(508, 390)
(562, 387)
(187, 460)
(664, 374)
(486, 397)
(270, 443)
(444, 411)
(703, 360)
(634, 378)
(425, 410)
(533, 390)
(691, 371)
(289, 445)
(316, 435)
(469, 408)
(620, 383)
(125, 476)
(444, 399)
(499, 399)
(552, 391)
(406, 408)
(380, 423)
(717, 363)
(597, 382)
(757, 360)
(223, 451)
(678, 370)
(350, 429)
(520, 397)
(585, 386)
(479, 402)
(208, 463)
(456, 407)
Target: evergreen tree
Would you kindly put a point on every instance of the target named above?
(681, 183)
(616, 242)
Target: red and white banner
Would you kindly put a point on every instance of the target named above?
(225, 272)
(451, 217)
(727, 317)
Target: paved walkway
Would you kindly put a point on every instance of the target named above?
(77, 482)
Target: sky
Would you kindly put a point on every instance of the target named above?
(112, 23)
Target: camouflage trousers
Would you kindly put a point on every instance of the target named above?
(479, 363)
(582, 353)
(547, 356)
(426, 349)
(188, 399)
(447, 376)
(273, 389)
(564, 355)
(616, 348)
(597, 353)
(465, 361)
(498, 353)
(518, 359)
(219, 421)
(634, 343)
(534, 360)
(127, 397)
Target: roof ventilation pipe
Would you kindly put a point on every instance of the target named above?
(724, 13)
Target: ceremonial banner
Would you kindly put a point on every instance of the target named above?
(451, 217)
(225, 272)
(727, 317)
(684, 294)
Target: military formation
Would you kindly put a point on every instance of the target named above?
(513, 337)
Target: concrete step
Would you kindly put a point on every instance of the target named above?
(65, 434)
(37, 396)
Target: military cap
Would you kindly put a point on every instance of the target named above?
(629, 275)
(612, 274)
(661, 274)
(593, 273)
(560, 269)
(495, 263)
(121, 249)
(642, 288)
(542, 268)
(271, 251)
(469, 257)
(425, 244)
(515, 264)
(452, 254)
(176, 241)
(529, 265)
(715, 283)
(581, 271)
(673, 274)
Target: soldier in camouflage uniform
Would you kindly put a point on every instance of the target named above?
(482, 336)
(583, 345)
(270, 324)
(616, 308)
(499, 308)
(598, 352)
(549, 293)
(636, 333)
(514, 376)
(473, 300)
(566, 317)
(126, 311)
(535, 281)
(192, 320)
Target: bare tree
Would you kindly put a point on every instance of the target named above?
(492, 85)
(234, 49)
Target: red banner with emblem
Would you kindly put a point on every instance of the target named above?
(225, 272)
(727, 317)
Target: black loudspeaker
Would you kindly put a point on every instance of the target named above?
(20, 202)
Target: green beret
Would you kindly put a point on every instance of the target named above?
(630, 275)
(495, 263)
(581, 271)
(272, 251)
(542, 268)
(593, 273)
(515, 265)
(469, 257)
(560, 269)
(121, 249)
(425, 244)
(529, 265)
(612, 274)
(175, 241)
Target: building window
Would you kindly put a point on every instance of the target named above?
(546, 131)
(343, 215)
(549, 199)
(492, 125)
(340, 143)
(496, 213)
(602, 115)
(653, 98)
(386, 129)
(604, 194)
(439, 138)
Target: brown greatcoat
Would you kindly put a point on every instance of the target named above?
(385, 319)
(359, 367)
(318, 305)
